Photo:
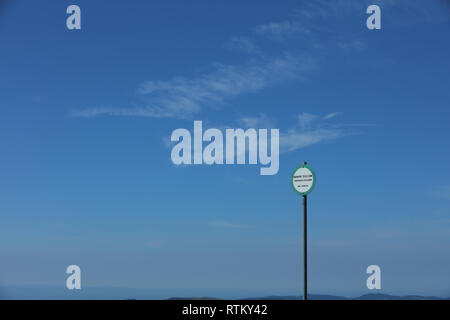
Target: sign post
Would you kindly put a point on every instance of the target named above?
(303, 181)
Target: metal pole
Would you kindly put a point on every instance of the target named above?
(305, 250)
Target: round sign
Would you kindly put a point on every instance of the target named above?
(303, 179)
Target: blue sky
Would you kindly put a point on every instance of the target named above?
(86, 116)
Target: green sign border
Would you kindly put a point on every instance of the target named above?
(314, 179)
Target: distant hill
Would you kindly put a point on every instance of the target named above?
(370, 296)
(311, 297)
(115, 293)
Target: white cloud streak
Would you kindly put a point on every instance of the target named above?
(242, 44)
(261, 121)
(183, 98)
(294, 140)
(311, 129)
(331, 115)
(282, 30)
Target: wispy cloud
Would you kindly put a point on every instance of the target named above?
(294, 140)
(331, 115)
(282, 30)
(114, 111)
(242, 44)
(260, 121)
(351, 45)
(183, 98)
(311, 129)
(306, 120)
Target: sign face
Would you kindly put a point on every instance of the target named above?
(303, 179)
